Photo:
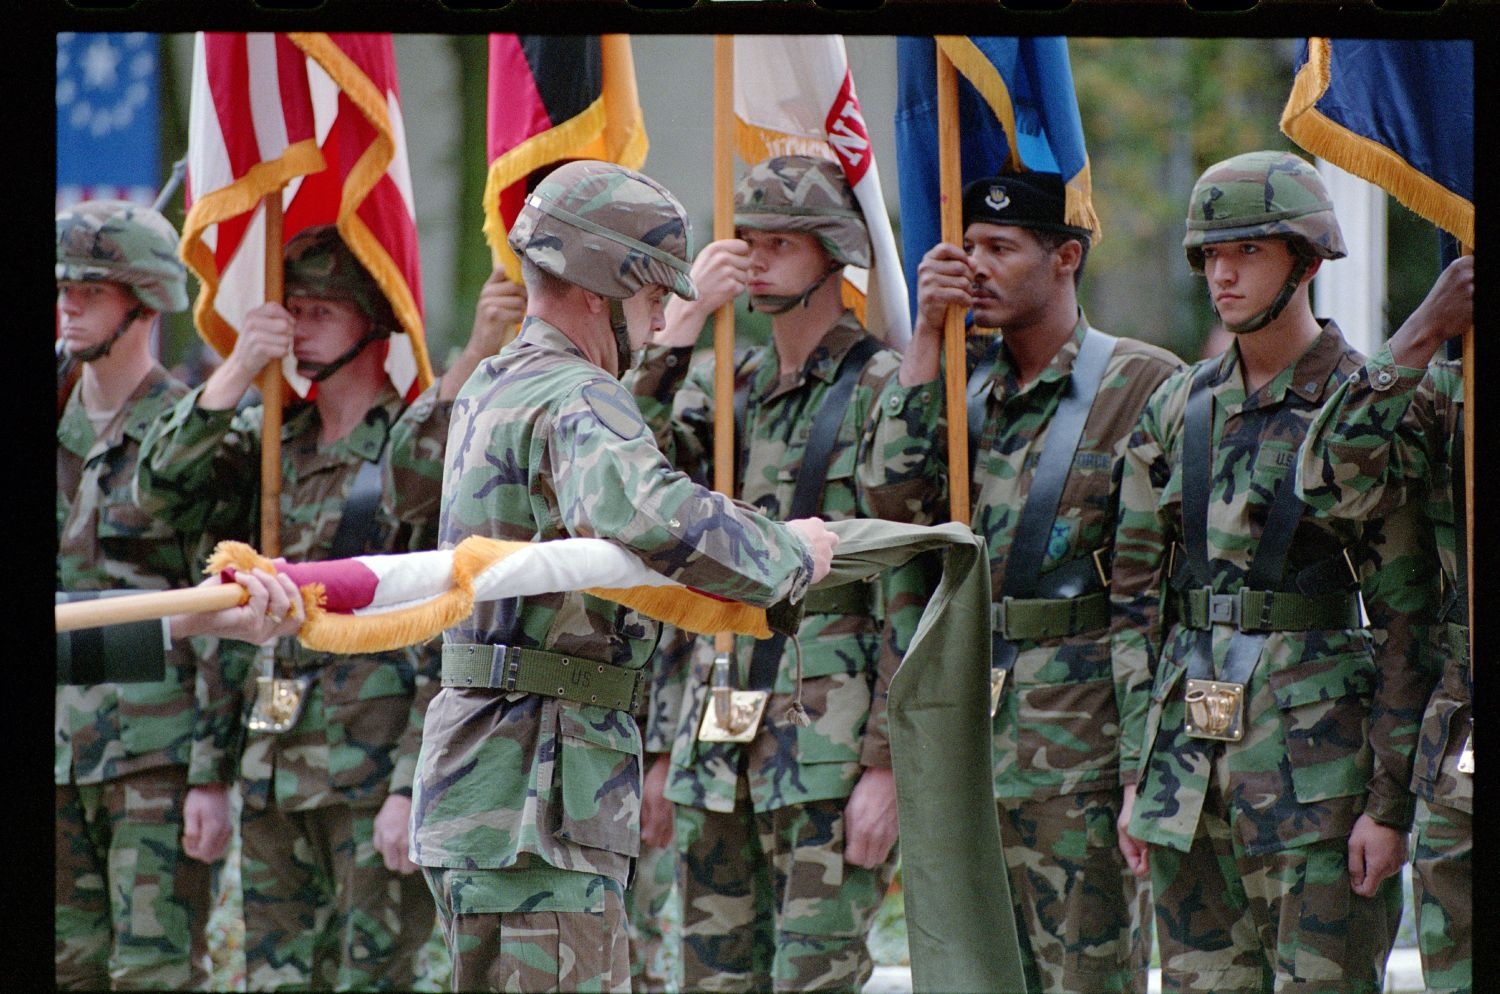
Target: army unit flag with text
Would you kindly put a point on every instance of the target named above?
(794, 95)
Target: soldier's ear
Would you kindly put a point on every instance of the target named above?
(595, 303)
(1312, 269)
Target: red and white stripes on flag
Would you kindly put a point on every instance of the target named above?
(317, 116)
(794, 95)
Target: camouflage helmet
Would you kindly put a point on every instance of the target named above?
(319, 264)
(116, 241)
(803, 193)
(1265, 194)
(606, 228)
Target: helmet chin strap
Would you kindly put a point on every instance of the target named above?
(322, 370)
(1301, 262)
(624, 354)
(775, 303)
(101, 350)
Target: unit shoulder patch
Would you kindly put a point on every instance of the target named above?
(615, 409)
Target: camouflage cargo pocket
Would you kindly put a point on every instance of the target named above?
(1325, 713)
(839, 706)
(1067, 726)
(599, 773)
(1445, 725)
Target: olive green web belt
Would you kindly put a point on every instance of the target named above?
(1018, 618)
(534, 671)
(1268, 610)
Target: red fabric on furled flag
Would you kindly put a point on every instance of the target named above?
(259, 103)
(552, 98)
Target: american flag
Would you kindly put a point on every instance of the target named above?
(318, 117)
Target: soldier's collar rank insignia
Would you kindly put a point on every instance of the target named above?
(997, 199)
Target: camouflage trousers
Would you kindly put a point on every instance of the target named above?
(652, 950)
(769, 903)
(131, 906)
(1288, 921)
(1442, 885)
(1083, 920)
(321, 910)
(532, 927)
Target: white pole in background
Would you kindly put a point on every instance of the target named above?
(1352, 290)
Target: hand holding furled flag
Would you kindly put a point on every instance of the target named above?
(794, 95)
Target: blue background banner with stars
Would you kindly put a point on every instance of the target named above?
(107, 116)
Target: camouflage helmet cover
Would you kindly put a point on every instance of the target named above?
(606, 228)
(807, 194)
(117, 241)
(320, 264)
(1264, 194)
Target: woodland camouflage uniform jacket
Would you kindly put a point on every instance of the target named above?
(358, 736)
(847, 658)
(106, 542)
(543, 445)
(1331, 715)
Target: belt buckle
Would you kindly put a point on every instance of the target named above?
(1466, 757)
(278, 703)
(1224, 609)
(1215, 710)
(730, 715)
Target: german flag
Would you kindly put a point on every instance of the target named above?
(553, 98)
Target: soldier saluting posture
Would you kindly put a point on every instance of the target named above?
(1272, 733)
(1392, 435)
(756, 790)
(331, 899)
(1051, 402)
(528, 787)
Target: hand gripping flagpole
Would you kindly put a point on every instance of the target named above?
(954, 346)
(271, 393)
(724, 461)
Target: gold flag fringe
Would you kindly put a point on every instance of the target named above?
(1371, 161)
(328, 631)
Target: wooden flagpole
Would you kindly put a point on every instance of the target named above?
(271, 386)
(146, 606)
(724, 460)
(1469, 374)
(954, 346)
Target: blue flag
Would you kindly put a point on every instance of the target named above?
(107, 114)
(1017, 111)
(1399, 114)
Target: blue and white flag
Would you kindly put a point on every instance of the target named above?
(1017, 112)
(107, 117)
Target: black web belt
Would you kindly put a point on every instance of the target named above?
(1021, 612)
(512, 669)
(1256, 610)
(812, 477)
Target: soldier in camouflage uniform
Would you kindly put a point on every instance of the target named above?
(807, 808)
(331, 899)
(1084, 920)
(1387, 437)
(1272, 734)
(141, 772)
(529, 780)
(412, 492)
